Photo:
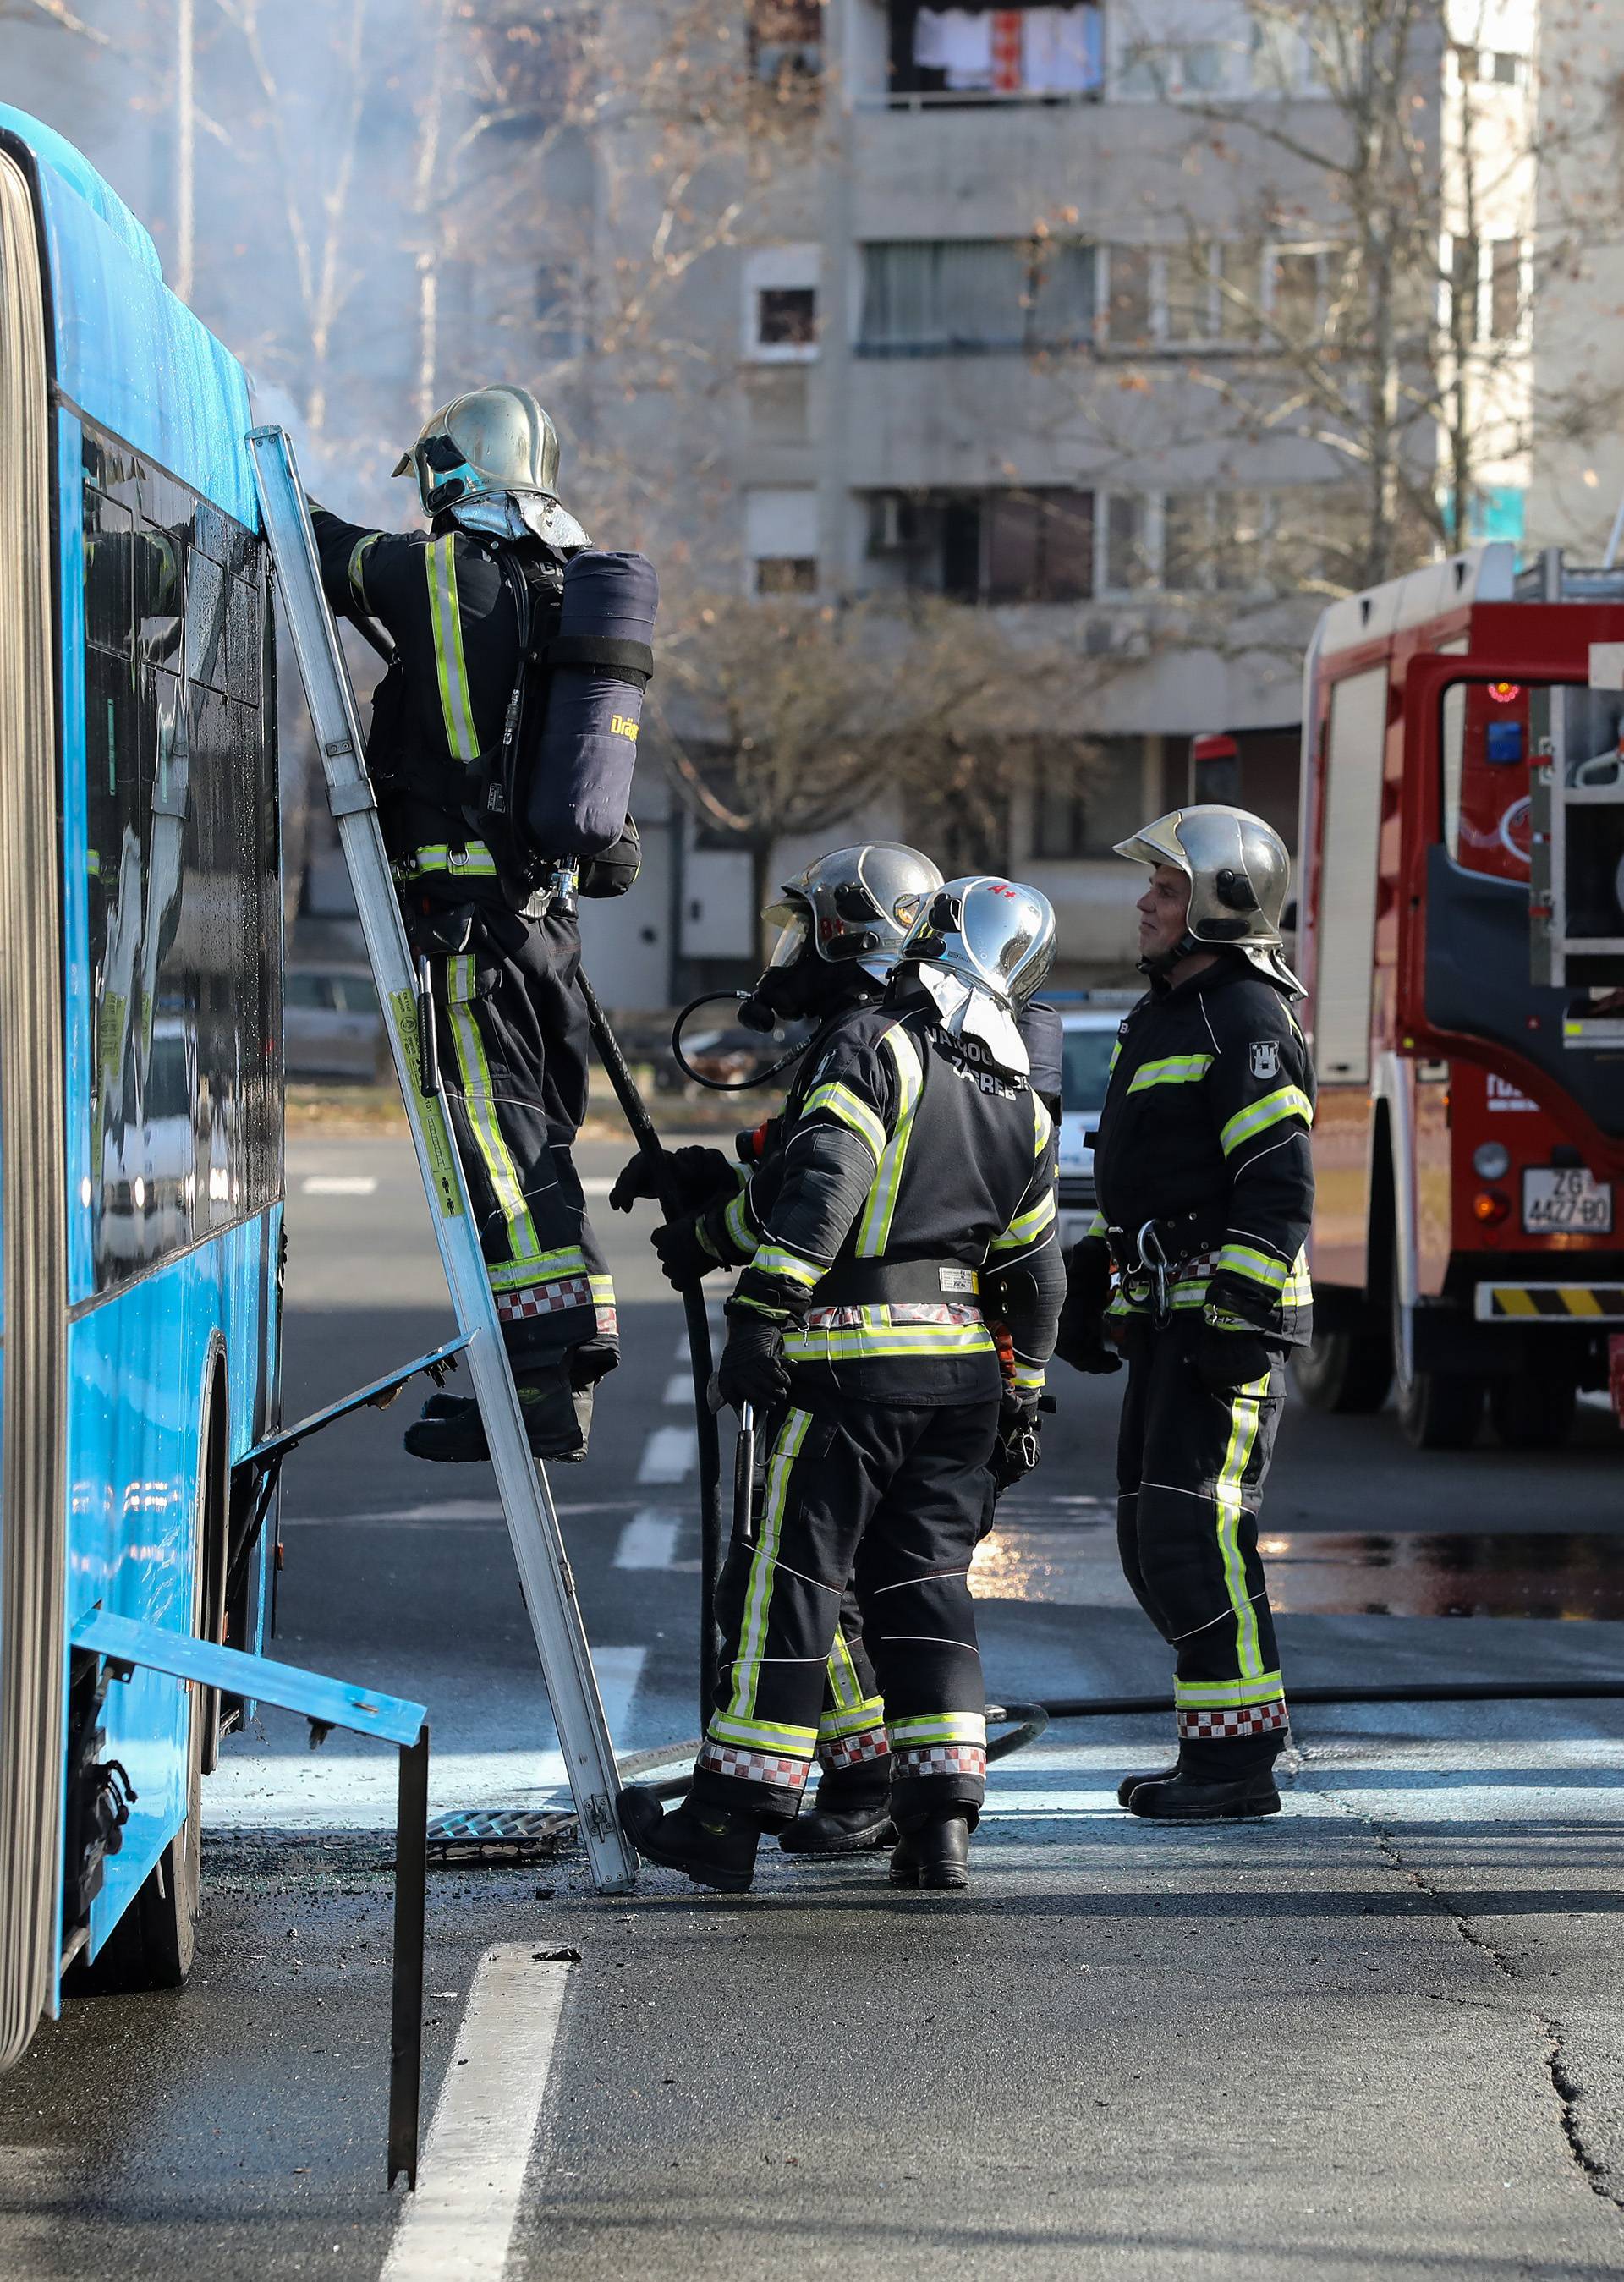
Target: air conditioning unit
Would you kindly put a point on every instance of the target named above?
(1110, 634)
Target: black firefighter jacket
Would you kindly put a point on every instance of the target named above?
(903, 1160)
(1205, 1124)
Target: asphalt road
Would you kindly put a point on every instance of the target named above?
(1377, 2036)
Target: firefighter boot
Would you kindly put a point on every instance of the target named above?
(708, 1845)
(1130, 1784)
(1194, 1795)
(851, 1813)
(558, 1419)
(935, 1855)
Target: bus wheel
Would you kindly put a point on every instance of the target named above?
(1534, 1409)
(1343, 1370)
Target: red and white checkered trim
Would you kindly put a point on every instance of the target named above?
(855, 1750)
(609, 1322)
(753, 1767)
(1216, 1723)
(939, 1760)
(547, 1299)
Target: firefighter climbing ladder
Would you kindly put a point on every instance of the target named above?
(533, 1524)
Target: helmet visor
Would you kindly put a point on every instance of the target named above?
(793, 938)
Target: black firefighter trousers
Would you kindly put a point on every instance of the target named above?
(1189, 1471)
(891, 1497)
(512, 1059)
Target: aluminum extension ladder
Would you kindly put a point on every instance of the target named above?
(526, 1499)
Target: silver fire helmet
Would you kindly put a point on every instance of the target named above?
(494, 445)
(854, 903)
(1239, 874)
(984, 946)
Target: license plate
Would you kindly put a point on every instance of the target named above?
(1558, 1200)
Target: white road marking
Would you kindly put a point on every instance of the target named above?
(458, 2227)
(648, 1541)
(597, 1185)
(338, 1184)
(680, 1390)
(670, 1454)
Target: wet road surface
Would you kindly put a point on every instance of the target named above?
(1378, 2036)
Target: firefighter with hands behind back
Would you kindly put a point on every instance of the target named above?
(473, 607)
(910, 1202)
(1205, 1184)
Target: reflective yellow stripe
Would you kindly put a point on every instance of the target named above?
(939, 1727)
(874, 1228)
(772, 1260)
(1207, 1694)
(523, 1245)
(1043, 1126)
(448, 663)
(1510, 1301)
(878, 1340)
(1029, 1377)
(763, 1735)
(844, 1686)
(758, 1589)
(1257, 1267)
(736, 1221)
(1246, 1411)
(869, 1713)
(839, 1101)
(1258, 1116)
(544, 1268)
(1096, 1226)
(1030, 1226)
(357, 558)
(1175, 1069)
(438, 857)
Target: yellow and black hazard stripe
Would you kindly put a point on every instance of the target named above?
(1592, 1303)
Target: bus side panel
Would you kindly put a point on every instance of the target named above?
(137, 1367)
(76, 858)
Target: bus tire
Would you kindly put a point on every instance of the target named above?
(1349, 1371)
(1533, 1409)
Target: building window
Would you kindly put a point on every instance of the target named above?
(1033, 55)
(1505, 289)
(1128, 296)
(1087, 798)
(780, 540)
(781, 304)
(786, 316)
(1127, 565)
(946, 297)
(786, 574)
(786, 42)
(1465, 289)
(987, 547)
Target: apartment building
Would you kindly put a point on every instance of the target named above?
(1003, 363)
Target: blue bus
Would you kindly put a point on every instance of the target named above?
(141, 1096)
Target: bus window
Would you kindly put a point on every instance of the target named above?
(185, 917)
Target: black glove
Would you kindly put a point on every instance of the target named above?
(684, 1259)
(752, 1367)
(693, 1175)
(1225, 1361)
(1016, 1451)
(1081, 1340)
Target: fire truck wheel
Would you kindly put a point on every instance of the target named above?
(1534, 1410)
(1441, 1409)
(1349, 1372)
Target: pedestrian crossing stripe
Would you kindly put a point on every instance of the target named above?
(1521, 1302)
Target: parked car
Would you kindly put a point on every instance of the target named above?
(333, 1024)
(1090, 1035)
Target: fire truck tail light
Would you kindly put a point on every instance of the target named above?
(1491, 1207)
(1492, 1162)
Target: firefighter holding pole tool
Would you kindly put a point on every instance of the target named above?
(502, 749)
(912, 1198)
(1205, 1188)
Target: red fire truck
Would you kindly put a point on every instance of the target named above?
(1461, 936)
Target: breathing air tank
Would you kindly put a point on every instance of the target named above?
(599, 663)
